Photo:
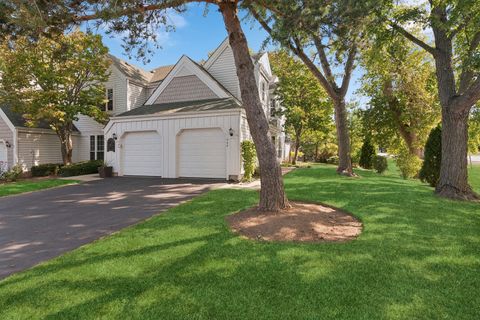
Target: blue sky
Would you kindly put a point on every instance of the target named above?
(196, 35)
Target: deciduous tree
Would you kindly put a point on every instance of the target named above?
(54, 80)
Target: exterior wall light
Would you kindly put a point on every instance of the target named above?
(114, 136)
(8, 144)
(230, 131)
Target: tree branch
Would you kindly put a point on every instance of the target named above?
(348, 70)
(324, 61)
(467, 73)
(471, 95)
(414, 39)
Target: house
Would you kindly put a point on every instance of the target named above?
(182, 120)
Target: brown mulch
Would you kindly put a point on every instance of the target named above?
(303, 222)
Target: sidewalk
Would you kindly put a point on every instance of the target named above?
(84, 178)
(252, 184)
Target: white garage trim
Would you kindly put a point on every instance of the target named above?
(202, 153)
(141, 153)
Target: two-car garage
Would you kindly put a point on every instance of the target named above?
(193, 139)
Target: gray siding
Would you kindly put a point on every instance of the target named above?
(137, 95)
(118, 82)
(7, 135)
(186, 88)
(225, 72)
(36, 148)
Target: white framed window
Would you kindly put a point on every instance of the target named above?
(109, 105)
(97, 144)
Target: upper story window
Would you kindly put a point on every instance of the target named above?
(263, 91)
(109, 105)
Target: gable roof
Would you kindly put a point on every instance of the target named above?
(183, 106)
(19, 121)
(185, 64)
(161, 72)
(130, 71)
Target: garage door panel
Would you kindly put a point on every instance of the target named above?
(202, 153)
(142, 154)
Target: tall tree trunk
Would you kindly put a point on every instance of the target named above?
(66, 145)
(297, 147)
(343, 139)
(411, 140)
(272, 194)
(453, 182)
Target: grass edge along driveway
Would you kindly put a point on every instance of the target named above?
(417, 258)
(22, 186)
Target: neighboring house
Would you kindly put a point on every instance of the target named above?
(183, 120)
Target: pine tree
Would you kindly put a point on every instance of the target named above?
(366, 154)
(430, 171)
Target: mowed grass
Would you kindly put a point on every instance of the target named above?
(22, 186)
(417, 258)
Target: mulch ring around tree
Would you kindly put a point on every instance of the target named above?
(303, 222)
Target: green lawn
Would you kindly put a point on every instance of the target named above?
(31, 185)
(418, 258)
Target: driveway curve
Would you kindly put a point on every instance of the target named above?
(38, 226)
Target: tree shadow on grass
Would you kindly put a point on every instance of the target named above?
(186, 264)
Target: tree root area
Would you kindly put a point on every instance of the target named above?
(302, 222)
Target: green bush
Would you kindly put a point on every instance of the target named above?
(12, 174)
(430, 171)
(80, 168)
(249, 156)
(380, 164)
(408, 164)
(367, 153)
(47, 169)
(333, 160)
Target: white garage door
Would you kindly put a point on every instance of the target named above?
(142, 154)
(202, 153)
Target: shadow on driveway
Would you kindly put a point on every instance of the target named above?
(41, 225)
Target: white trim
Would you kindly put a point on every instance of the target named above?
(186, 62)
(7, 121)
(195, 114)
(216, 54)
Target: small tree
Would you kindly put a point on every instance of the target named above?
(366, 154)
(55, 80)
(409, 164)
(430, 171)
(249, 157)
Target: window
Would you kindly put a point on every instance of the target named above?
(100, 147)
(264, 91)
(92, 147)
(97, 144)
(110, 99)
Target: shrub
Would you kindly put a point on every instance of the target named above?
(366, 154)
(408, 164)
(333, 160)
(430, 171)
(249, 156)
(380, 164)
(46, 169)
(13, 174)
(79, 168)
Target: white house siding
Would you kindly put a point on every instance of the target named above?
(224, 71)
(7, 135)
(169, 129)
(137, 95)
(38, 147)
(118, 82)
(185, 88)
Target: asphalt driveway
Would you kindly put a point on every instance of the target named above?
(38, 226)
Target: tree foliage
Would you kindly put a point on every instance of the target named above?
(400, 82)
(305, 104)
(430, 171)
(249, 157)
(367, 153)
(54, 80)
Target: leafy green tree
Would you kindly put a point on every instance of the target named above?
(400, 81)
(455, 48)
(430, 171)
(367, 153)
(320, 27)
(474, 131)
(305, 104)
(138, 22)
(55, 80)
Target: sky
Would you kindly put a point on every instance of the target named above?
(196, 35)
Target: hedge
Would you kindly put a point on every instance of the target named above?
(46, 169)
(80, 168)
